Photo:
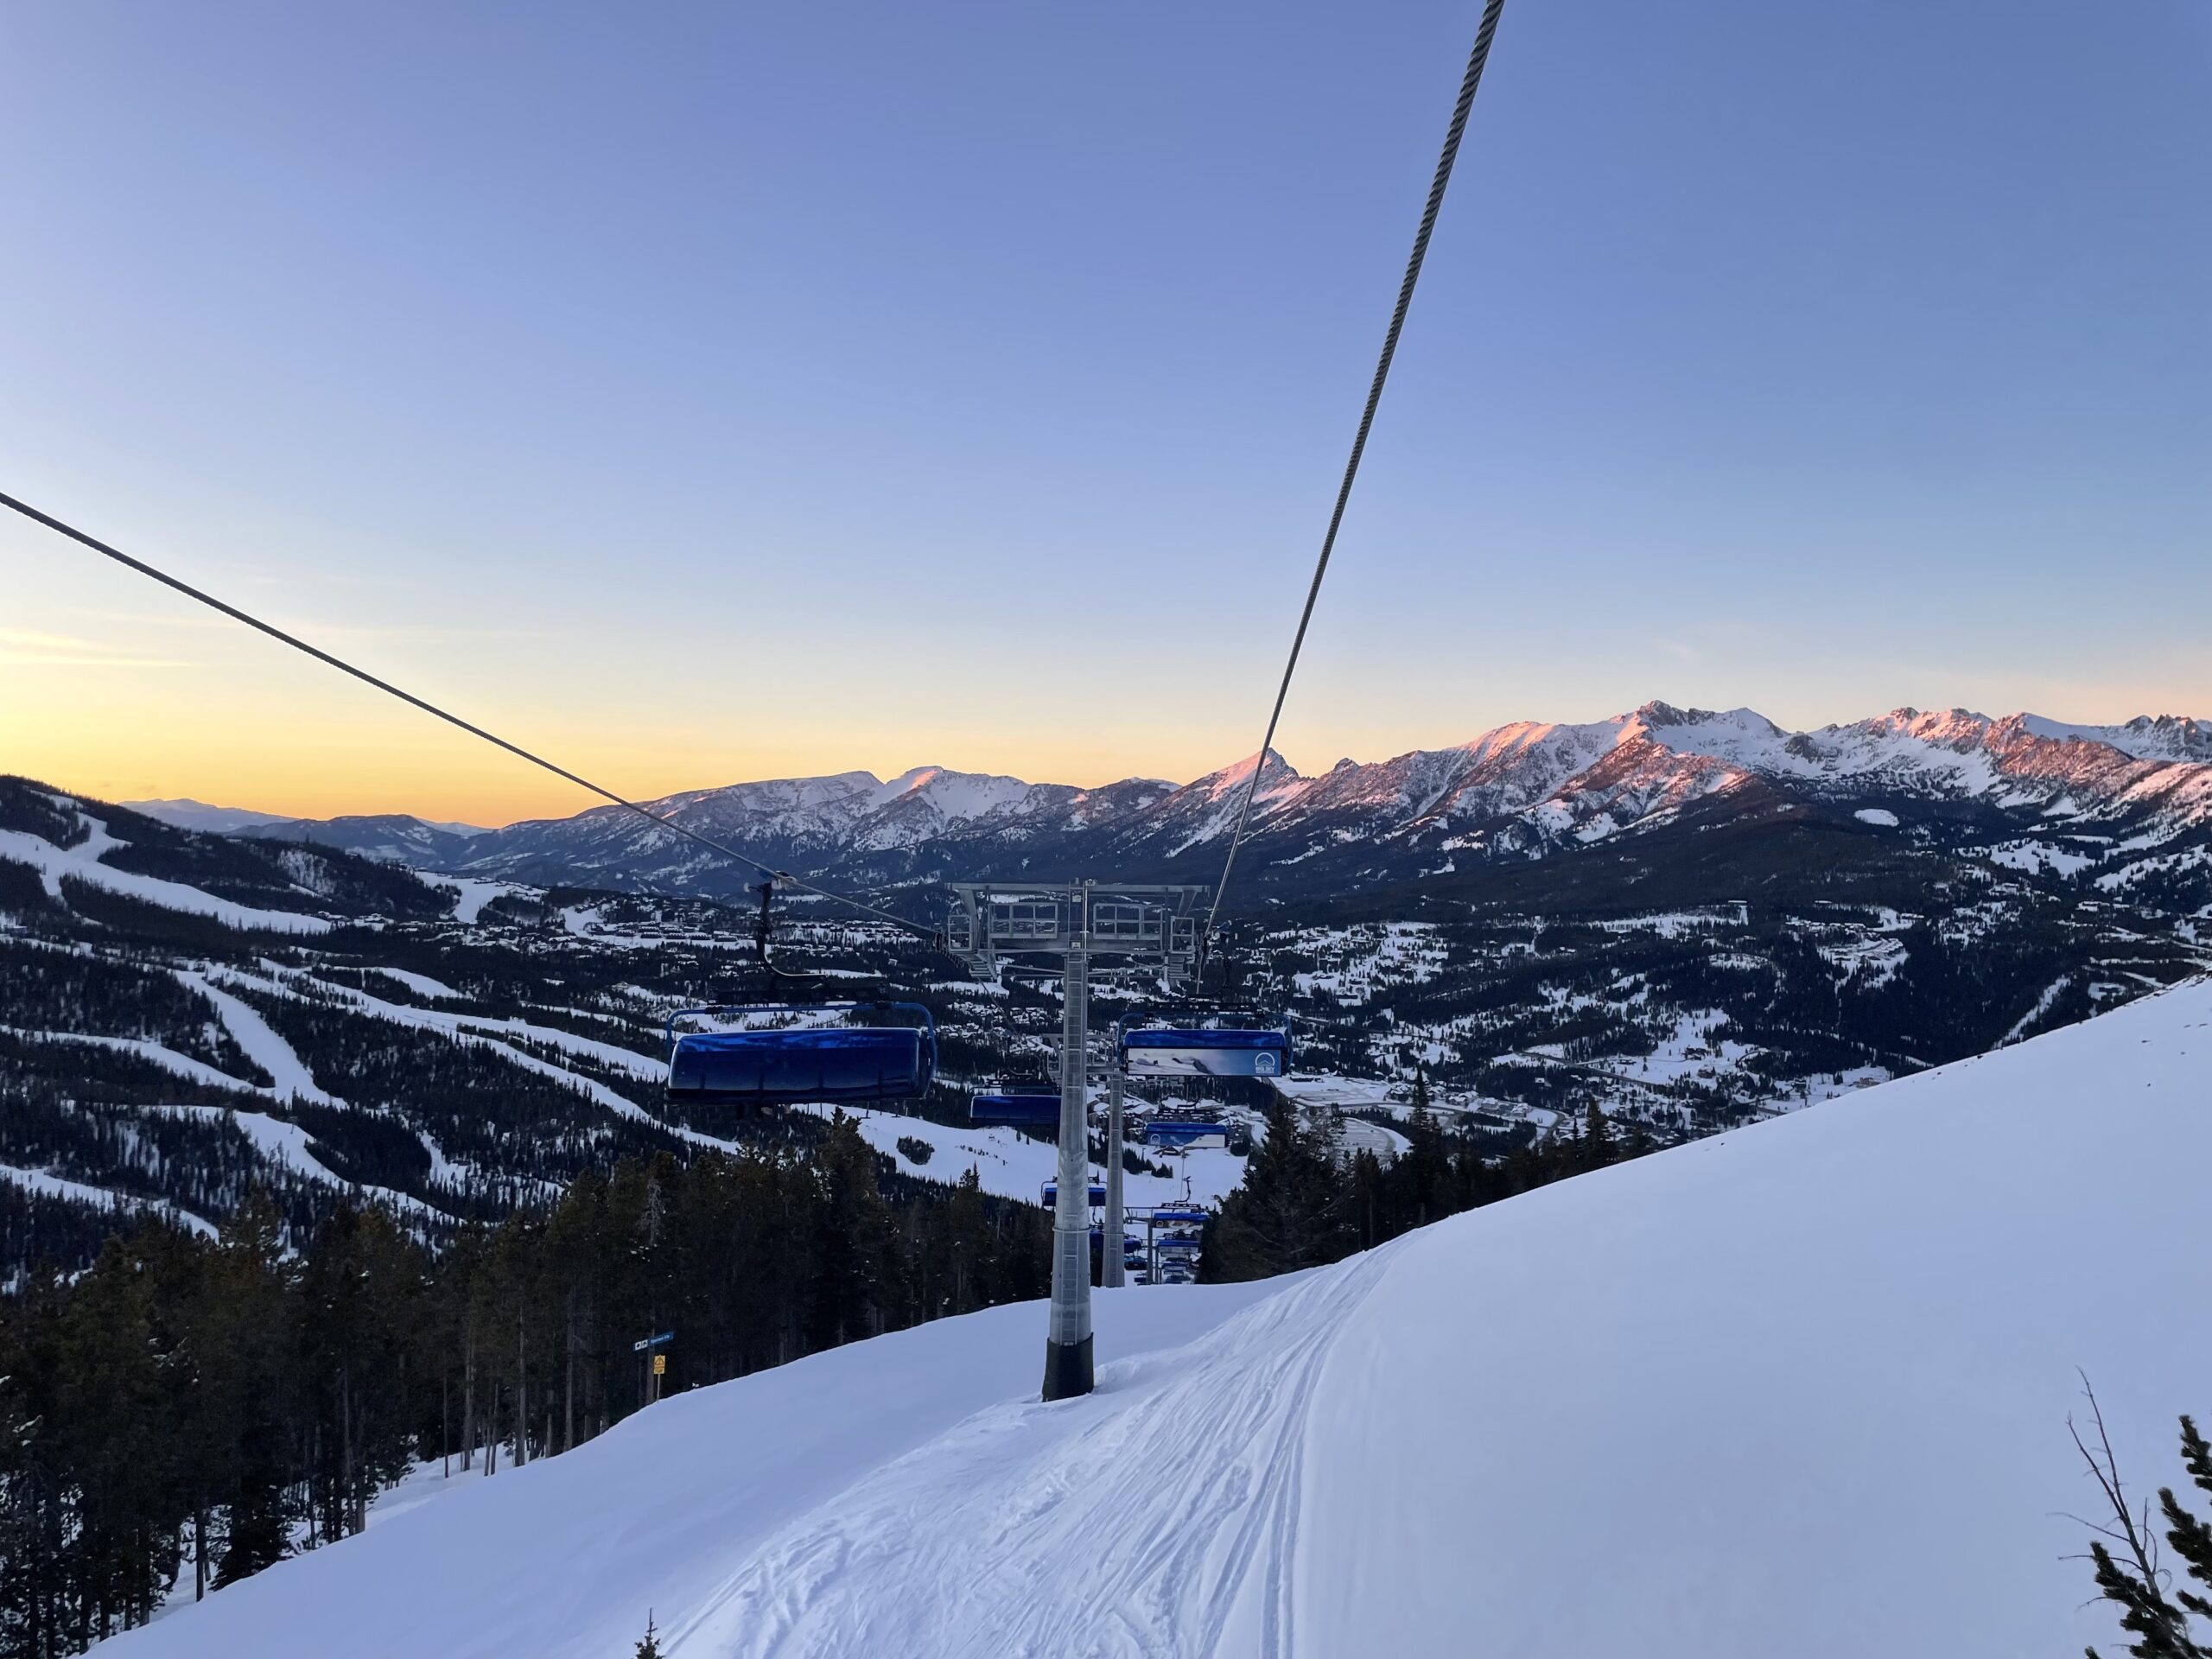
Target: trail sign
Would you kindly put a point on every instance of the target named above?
(660, 1365)
(651, 1342)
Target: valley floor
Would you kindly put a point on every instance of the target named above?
(1801, 1389)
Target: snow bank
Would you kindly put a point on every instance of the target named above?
(1798, 1390)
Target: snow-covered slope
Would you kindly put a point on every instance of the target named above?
(1798, 1390)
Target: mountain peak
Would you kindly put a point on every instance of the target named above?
(1272, 769)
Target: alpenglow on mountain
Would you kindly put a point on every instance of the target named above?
(1520, 792)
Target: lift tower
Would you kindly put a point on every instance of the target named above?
(1137, 927)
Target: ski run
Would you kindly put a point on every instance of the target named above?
(1799, 1389)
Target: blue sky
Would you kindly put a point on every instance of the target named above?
(711, 392)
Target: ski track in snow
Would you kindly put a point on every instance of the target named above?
(479, 1030)
(1208, 1571)
(620, 1104)
(258, 1040)
(2050, 994)
(290, 1146)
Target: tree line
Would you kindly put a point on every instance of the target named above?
(190, 1410)
(1303, 1204)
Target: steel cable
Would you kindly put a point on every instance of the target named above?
(451, 719)
(1476, 59)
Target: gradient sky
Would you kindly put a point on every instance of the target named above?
(703, 392)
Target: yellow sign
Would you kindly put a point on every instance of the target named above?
(660, 1365)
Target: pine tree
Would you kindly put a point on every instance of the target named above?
(968, 1246)
(2132, 1579)
(1427, 1166)
(1595, 1150)
(2191, 1538)
(851, 1241)
(649, 1647)
(114, 1375)
(1293, 1209)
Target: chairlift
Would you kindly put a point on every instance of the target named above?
(1035, 1106)
(1176, 1132)
(1052, 1193)
(1205, 1043)
(1030, 1103)
(838, 1064)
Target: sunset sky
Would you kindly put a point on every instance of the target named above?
(705, 393)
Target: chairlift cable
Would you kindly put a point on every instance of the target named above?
(428, 708)
(1476, 60)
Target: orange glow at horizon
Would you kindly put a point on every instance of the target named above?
(139, 703)
(322, 764)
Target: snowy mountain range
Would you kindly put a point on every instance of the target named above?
(1524, 791)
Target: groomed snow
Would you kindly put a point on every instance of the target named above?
(260, 1041)
(1798, 1390)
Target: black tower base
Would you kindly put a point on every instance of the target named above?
(1067, 1369)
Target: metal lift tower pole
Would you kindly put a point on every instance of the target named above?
(1110, 1262)
(1067, 1342)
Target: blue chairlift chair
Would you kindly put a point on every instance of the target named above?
(833, 1064)
(1028, 1105)
(1205, 1043)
